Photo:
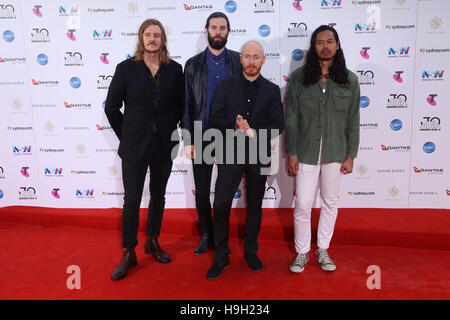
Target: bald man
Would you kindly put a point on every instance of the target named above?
(247, 109)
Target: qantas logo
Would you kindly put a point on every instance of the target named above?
(198, 7)
(48, 83)
(101, 128)
(397, 148)
(428, 170)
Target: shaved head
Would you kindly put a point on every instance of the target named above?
(253, 45)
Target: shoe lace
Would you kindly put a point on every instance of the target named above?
(300, 260)
(324, 258)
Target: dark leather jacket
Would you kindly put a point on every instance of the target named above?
(194, 105)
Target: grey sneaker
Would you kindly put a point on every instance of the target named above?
(299, 263)
(324, 260)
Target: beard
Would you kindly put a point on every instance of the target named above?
(252, 70)
(217, 44)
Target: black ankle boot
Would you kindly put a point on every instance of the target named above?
(205, 242)
(129, 260)
(152, 247)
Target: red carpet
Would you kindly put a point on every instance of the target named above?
(411, 247)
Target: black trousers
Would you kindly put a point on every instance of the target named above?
(228, 179)
(133, 176)
(202, 181)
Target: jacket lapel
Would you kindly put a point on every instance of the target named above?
(241, 95)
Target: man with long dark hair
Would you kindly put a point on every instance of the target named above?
(151, 85)
(202, 73)
(321, 139)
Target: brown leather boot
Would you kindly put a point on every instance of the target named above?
(151, 246)
(129, 260)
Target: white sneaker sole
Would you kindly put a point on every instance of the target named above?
(296, 270)
(328, 268)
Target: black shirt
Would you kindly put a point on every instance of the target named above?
(250, 92)
(155, 142)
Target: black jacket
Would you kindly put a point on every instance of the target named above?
(194, 106)
(229, 102)
(132, 86)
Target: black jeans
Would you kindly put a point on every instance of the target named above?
(228, 179)
(133, 175)
(202, 180)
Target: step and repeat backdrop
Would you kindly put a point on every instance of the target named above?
(57, 59)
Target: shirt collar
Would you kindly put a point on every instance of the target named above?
(220, 57)
(254, 83)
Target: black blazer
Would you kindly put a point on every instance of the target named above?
(229, 101)
(131, 84)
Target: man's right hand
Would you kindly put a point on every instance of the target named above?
(189, 152)
(293, 165)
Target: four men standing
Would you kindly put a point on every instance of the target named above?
(223, 90)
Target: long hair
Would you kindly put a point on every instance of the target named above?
(140, 48)
(313, 71)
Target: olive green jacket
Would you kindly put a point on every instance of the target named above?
(312, 116)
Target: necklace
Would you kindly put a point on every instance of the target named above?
(216, 62)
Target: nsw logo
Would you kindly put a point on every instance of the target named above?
(432, 75)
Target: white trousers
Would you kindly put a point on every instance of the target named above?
(308, 177)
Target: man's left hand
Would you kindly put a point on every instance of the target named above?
(347, 166)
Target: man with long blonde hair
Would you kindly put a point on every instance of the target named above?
(151, 85)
